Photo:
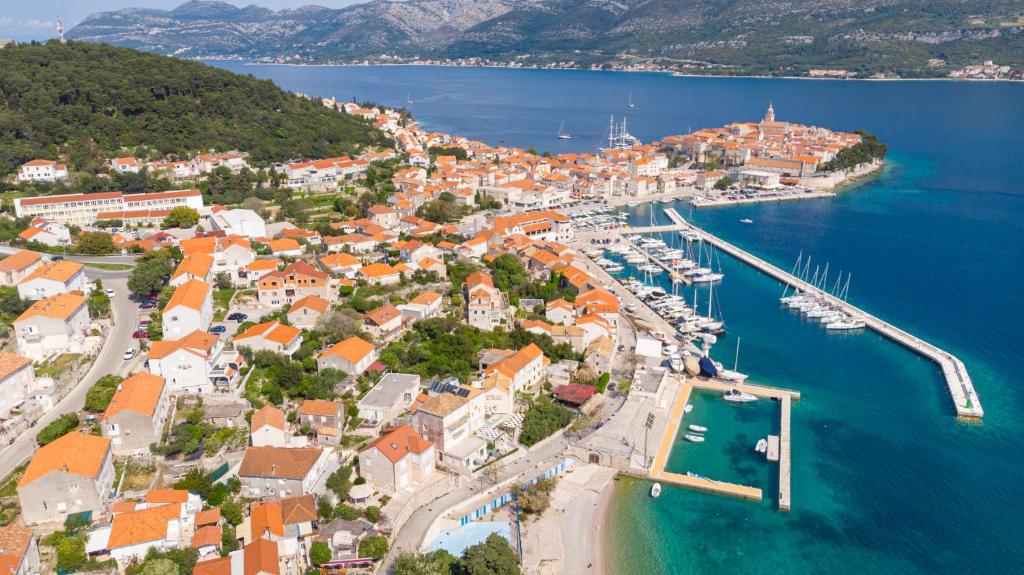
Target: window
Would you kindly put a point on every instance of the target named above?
(73, 487)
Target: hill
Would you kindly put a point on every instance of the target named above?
(92, 101)
(904, 37)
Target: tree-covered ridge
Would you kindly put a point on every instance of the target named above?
(92, 102)
(869, 149)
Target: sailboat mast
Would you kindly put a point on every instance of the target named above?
(736, 362)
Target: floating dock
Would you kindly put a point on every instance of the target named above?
(961, 388)
(784, 453)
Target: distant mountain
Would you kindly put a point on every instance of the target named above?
(910, 37)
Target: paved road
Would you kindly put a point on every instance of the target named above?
(411, 534)
(108, 361)
(113, 259)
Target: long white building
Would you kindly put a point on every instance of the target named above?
(83, 208)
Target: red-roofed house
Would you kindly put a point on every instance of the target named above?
(19, 551)
(398, 461)
(41, 171)
(136, 414)
(271, 336)
(72, 474)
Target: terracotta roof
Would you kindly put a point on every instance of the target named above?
(426, 298)
(479, 278)
(196, 264)
(352, 349)
(512, 364)
(218, 566)
(574, 394)
(271, 331)
(167, 496)
(76, 453)
(378, 270)
(139, 393)
(208, 535)
(60, 271)
(266, 517)
(142, 526)
(399, 442)
(68, 198)
(208, 517)
(339, 260)
(12, 363)
(278, 462)
(261, 557)
(14, 542)
(284, 245)
(267, 415)
(298, 509)
(313, 302)
(190, 294)
(383, 314)
(319, 407)
(19, 261)
(442, 405)
(198, 342)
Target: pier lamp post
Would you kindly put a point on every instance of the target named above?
(647, 428)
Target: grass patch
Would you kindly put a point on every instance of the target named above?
(111, 267)
(118, 472)
(137, 478)
(57, 367)
(221, 300)
(9, 487)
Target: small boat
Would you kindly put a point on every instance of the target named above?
(676, 363)
(762, 445)
(688, 408)
(691, 365)
(562, 134)
(746, 221)
(845, 325)
(656, 490)
(737, 396)
(694, 438)
(697, 428)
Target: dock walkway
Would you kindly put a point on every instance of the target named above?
(961, 388)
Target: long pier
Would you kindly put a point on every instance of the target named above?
(961, 388)
(784, 453)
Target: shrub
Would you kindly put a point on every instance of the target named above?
(57, 428)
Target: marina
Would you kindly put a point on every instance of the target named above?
(961, 388)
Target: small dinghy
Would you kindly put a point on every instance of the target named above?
(694, 438)
(762, 445)
(698, 428)
(656, 490)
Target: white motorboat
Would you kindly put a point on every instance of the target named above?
(676, 363)
(730, 375)
(697, 428)
(737, 396)
(688, 408)
(746, 221)
(656, 490)
(762, 445)
(630, 307)
(669, 349)
(694, 438)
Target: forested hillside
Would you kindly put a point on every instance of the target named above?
(91, 102)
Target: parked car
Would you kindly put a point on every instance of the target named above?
(110, 292)
(218, 329)
(238, 316)
(141, 334)
(147, 304)
(129, 353)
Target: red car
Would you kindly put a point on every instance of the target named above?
(141, 334)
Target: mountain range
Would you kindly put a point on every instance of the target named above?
(903, 37)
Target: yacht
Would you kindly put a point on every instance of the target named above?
(737, 396)
(656, 490)
(676, 363)
(746, 221)
(845, 324)
(697, 428)
(693, 437)
(562, 134)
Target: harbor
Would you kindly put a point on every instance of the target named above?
(958, 381)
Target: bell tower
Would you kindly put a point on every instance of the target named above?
(769, 116)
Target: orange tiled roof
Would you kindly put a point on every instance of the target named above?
(167, 496)
(19, 261)
(136, 527)
(190, 294)
(14, 543)
(139, 393)
(76, 453)
(313, 302)
(352, 349)
(268, 415)
(399, 442)
(378, 270)
(61, 306)
(208, 535)
(60, 271)
(261, 556)
(278, 462)
(319, 407)
(218, 566)
(198, 342)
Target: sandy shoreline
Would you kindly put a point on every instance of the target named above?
(602, 558)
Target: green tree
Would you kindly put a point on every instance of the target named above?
(435, 563)
(99, 304)
(346, 512)
(181, 217)
(160, 566)
(70, 552)
(232, 512)
(99, 395)
(95, 244)
(372, 513)
(543, 418)
(492, 557)
(724, 183)
(11, 303)
(150, 273)
(375, 546)
(340, 482)
(57, 428)
(319, 553)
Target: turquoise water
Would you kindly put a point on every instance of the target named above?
(884, 478)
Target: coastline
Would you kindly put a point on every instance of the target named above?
(250, 62)
(602, 556)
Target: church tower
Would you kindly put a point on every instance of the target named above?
(769, 116)
(60, 31)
